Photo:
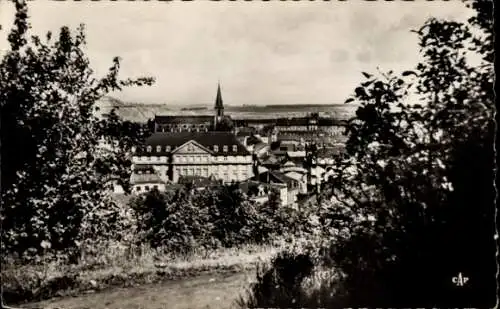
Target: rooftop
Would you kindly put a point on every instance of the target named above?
(206, 139)
(181, 119)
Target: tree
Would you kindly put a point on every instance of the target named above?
(58, 159)
(226, 124)
(425, 173)
(414, 195)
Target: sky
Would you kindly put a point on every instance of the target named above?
(261, 52)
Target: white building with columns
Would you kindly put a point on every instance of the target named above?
(175, 154)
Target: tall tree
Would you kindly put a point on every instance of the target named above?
(57, 158)
(421, 163)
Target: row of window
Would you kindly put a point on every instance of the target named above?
(146, 188)
(190, 148)
(185, 159)
(204, 173)
(184, 126)
(295, 128)
(182, 130)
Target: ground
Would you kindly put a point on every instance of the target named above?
(208, 291)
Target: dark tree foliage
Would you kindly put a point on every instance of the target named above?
(58, 159)
(414, 195)
(188, 218)
(426, 173)
(280, 283)
(224, 125)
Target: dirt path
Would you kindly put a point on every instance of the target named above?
(210, 291)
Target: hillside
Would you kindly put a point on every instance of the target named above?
(140, 112)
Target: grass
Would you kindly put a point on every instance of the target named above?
(118, 267)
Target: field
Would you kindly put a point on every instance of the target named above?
(142, 112)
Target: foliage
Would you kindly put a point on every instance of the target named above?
(58, 159)
(280, 284)
(424, 171)
(185, 219)
(225, 124)
(414, 195)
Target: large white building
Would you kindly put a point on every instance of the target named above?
(205, 154)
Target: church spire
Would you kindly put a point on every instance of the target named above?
(219, 107)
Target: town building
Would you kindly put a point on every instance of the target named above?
(276, 177)
(259, 192)
(311, 123)
(176, 154)
(145, 178)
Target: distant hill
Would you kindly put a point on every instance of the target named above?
(137, 112)
(140, 112)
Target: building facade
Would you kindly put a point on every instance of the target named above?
(204, 154)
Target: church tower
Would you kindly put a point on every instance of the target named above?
(219, 107)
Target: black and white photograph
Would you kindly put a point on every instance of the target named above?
(248, 154)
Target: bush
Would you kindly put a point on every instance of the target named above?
(221, 217)
(55, 174)
(292, 280)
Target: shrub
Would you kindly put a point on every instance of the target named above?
(55, 174)
(293, 279)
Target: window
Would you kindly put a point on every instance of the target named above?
(235, 148)
(224, 148)
(198, 172)
(138, 188)
(205, 171)
(184, 171)
(149, 148)
(191, 172)
(216, 148)
(158, 148)
(225, 158)
(146, 188)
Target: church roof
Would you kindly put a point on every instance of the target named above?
(182, 119)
